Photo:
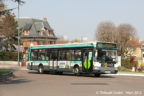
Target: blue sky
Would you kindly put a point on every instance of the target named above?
(78, 18)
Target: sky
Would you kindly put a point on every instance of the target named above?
(80, 18)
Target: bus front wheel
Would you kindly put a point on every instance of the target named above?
(97, 75)
(40, 69)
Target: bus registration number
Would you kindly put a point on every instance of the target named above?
(107, 72)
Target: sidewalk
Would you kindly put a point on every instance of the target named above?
(13, 67)
(127, 74)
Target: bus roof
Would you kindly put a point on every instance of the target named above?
(68, 45)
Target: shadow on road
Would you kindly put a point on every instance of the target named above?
(71, 74)
(89, 84)
(17, 81)
(88, 75)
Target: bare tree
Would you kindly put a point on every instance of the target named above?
(3, 11)
(124, 35)
(106, 32)
(19, 1)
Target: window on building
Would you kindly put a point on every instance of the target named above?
(41, 33)
(40, 42)
(31, 43)
(51, 42)
(47, 32)
(26, 32)
(51, 33)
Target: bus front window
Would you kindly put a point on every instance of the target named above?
(111, 56)
(107, 56)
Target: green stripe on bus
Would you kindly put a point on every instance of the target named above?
(78, 62)
(40, 61)
(66, 46)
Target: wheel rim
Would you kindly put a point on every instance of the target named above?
(76, 70)
(40, 70)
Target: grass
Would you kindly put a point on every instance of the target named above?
(123, 69)
(4, 71)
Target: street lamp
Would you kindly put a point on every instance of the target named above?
(18, 38)
(18, 50)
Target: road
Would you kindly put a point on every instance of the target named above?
(30, 83)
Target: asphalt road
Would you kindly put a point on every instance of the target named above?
(30, 83)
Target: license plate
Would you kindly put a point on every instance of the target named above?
(107, 72)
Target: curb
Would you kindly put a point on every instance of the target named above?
(23, 68)
(127, 74)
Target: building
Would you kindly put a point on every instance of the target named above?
(35, 32)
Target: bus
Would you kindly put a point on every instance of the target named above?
(92, 57)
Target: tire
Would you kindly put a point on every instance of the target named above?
(40, 69)
(59, 73)
(76, 71)
(97, 75)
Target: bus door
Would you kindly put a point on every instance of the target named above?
(53, 63)
(87, 60)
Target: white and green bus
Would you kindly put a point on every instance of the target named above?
(94, 57)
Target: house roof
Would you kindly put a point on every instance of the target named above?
(34, 25)
(27, 26)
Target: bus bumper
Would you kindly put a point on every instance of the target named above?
(105, 70)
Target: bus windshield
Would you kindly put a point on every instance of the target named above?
(107, 56)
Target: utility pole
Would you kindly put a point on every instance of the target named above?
(18, 38)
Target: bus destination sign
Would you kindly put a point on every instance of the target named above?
(106, 45)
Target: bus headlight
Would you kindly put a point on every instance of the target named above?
(116, 65)
(96, 68)
(97, 65)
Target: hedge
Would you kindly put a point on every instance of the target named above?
(126, 63)
(10, 56)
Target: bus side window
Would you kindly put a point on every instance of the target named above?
(34, 54)
(47, 58)
(41, 54)
(78, 55)
(68, 55)
(54, 55)
(62, 55)
(72, 55)
(47, 55)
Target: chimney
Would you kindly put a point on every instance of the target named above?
(44, 19)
